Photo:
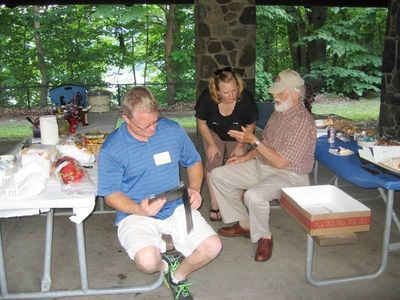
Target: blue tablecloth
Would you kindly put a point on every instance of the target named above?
(351, 168)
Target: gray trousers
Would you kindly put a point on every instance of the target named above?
(261, 183)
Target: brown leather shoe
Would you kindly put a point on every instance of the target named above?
(264, 249)
(235, 230)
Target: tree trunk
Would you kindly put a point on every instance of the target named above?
(40, 56)
(133, 60)
(296, 29)
(147, 47)
(169, 45)
(317, 48)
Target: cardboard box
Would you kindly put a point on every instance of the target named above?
(325, 210)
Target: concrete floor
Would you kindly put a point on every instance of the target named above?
(233, 275)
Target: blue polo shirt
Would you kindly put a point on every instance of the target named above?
(141, 169)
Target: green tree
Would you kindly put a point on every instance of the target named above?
(40, 56)
(353, 40)
(272, 47)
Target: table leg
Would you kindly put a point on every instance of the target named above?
(384, 254)
(3, 274)
(80, 240)
(84, 291)
(316, 172)
(394, 215)
(101, 202)
(46, 279)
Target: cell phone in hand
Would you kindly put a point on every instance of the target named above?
(236, 126)
(170, 195)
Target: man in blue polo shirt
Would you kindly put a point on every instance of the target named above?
(140, 159)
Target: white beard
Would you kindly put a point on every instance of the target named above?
(283, 106)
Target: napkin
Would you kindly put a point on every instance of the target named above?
(27, 187)
(82, 155)
(31, 167)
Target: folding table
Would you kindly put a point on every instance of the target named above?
(368, 176)
(82, 205)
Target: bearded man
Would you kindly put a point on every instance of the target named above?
(284, 157)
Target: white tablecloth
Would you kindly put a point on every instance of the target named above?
(53, 196)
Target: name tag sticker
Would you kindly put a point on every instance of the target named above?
(162, 158)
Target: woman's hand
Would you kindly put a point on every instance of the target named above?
(195, 198)
(212, 152)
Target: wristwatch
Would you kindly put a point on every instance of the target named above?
(255, 144)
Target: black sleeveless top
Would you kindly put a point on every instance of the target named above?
(244, 113)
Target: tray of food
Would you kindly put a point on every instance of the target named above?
(392, 165)
(94, 140)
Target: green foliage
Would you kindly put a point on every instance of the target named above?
(354, 51)
(263, 81)
(272, 44)
(354, 46)
(82, 42)
(273, 53)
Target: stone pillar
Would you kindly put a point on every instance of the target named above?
(389, 117)
(225, 36)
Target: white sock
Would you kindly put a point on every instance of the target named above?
(166, 266)
(174, 280)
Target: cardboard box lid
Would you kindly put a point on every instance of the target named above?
(323, 200)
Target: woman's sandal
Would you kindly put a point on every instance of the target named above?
(216, 212)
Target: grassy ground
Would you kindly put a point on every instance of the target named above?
(360, 110)
(14, 131)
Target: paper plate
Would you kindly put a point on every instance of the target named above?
(320, 123)
(341, 151)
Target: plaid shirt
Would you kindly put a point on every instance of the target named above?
(293, 135)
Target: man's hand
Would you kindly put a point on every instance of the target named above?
(244, 136)
(237, 159)
(239, 150)
(195, 198)
(151, 208)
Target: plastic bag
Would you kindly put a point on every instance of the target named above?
(73, 176)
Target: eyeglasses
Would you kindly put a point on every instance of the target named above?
(220, 71)
(144, 128)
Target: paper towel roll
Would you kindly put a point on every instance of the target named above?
(48, 130)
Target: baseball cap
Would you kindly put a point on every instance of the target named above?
(286, 79)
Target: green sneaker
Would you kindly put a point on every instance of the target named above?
(181, 289)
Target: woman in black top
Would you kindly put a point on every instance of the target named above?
(225, 105)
